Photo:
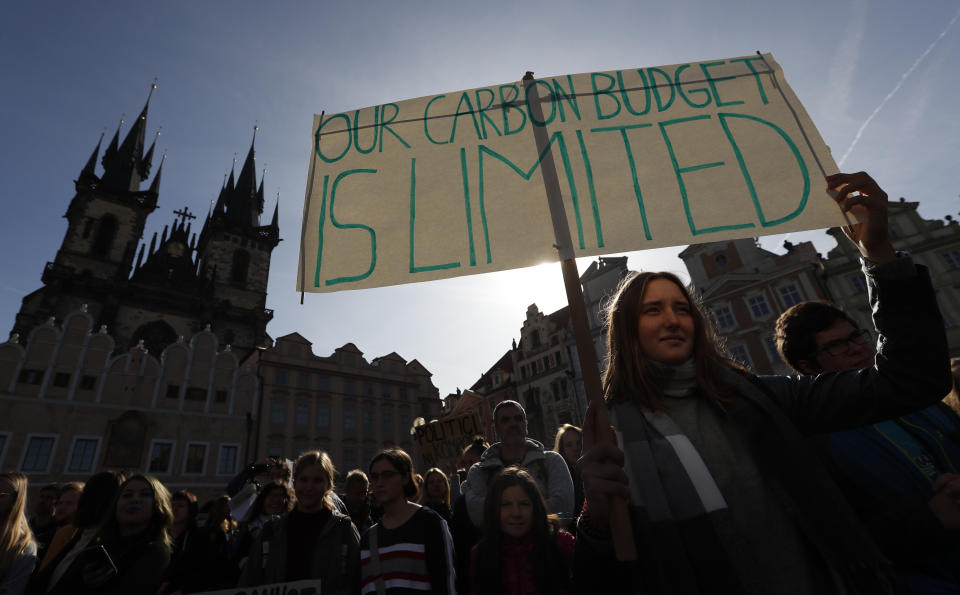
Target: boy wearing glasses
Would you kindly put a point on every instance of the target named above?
(901, 475)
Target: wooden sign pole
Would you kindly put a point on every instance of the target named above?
(619, 515)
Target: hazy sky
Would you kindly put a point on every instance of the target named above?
(72, 70)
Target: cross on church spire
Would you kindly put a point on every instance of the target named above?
(184, 215)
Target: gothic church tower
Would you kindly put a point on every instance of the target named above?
(178, 286)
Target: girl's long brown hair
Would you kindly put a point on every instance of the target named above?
(629, 373)
(15, 533)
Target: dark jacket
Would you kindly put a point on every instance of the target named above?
(335, 558)
(775, 414)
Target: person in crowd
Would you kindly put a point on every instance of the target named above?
(523, 550)
(471, 456)
(355, 497)
(18, 550)
(132, 549)
(436, 493)
(65, 515)
(66, 507)
(43, 522)
(410, 548)
(725, 493)
(246, 485)
(896, 472)
(515, 448)
(206, 563)
(465, 533)
(274, 500)
(185, 509)
(99, 494)
(568, 443)
(314, 541)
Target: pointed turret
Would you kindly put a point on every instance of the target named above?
(124, 166)
(155, 184)
(89, 170)
(275, 222)
(148, 158)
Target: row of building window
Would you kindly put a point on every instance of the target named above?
(547, 362)
(759, 306)
(60, 379)
(348, 386)
(39, 450)
(278, 416)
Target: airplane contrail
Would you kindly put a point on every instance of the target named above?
(896, 88)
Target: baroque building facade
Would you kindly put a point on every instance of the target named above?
(175, 287)
(746, 287)
(342, 403)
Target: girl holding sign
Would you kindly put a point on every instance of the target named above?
(725, 495)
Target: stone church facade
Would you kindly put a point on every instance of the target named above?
(177, 285)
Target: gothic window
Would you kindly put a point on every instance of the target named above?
(106, 233)
(241, 262)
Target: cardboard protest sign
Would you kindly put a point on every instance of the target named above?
(308, 587)
(452, 184)
(444, 440)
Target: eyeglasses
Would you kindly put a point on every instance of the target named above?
(860, 336)
(385, 475)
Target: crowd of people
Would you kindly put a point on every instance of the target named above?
(841, 479)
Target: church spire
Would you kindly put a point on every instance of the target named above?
(124, 166)
(243, 206)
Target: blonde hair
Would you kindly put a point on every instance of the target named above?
(561, 432)
(445, 498)
(15, 535)
(317, 457)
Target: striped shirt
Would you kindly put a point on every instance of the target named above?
(415, 557)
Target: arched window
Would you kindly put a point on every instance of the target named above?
(106, 233)
(241, 262)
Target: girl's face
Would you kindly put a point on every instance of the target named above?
(386, 483)
(181, 510)
(436, 486)
(665, 327)
(273, 503)
(311, 486)
(135, 504)
(516, 512)
(570, 446)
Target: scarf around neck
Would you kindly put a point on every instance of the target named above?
(675, 503)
